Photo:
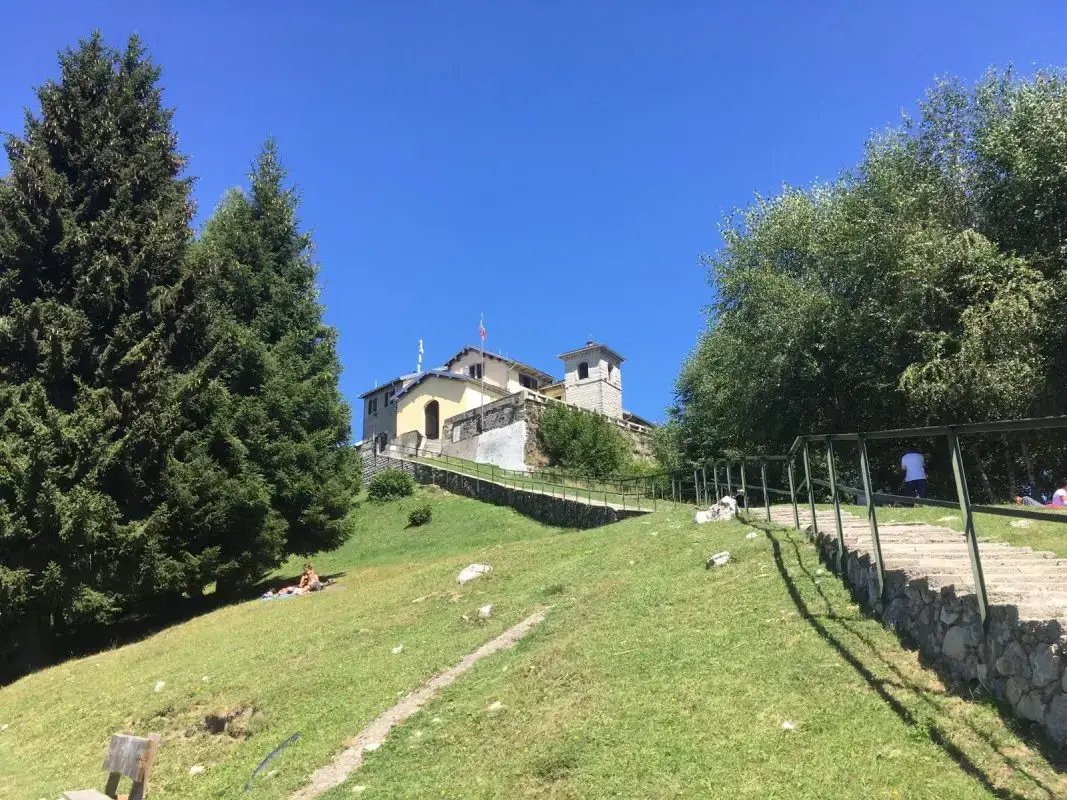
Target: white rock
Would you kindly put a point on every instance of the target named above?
(4, 727)
(632, 562)
(370, 747)
(486, 611)
(196, 770)
(751, 535)
(359, 789)
(205, 678)
(436, 720)
(159, 686)
(724, 509)
(495, 706)
(718, 560)
(1021, 523)
(788, 726)
(468, 574)
(398, 649)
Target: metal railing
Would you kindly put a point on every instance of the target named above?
(638, 493)
(801, 449)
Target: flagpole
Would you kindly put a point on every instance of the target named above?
(481, 408)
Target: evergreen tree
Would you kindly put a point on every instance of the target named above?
(94, 226)
(298, 431)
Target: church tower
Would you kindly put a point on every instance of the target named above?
(592, 379)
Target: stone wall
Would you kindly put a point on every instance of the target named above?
(1021, 662)
(504, 433)
(548, 509)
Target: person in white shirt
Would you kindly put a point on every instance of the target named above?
(1059, 497)
(914, 473)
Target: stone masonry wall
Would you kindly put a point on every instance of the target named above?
(528, 407)
(550, 510)
(1020, 662)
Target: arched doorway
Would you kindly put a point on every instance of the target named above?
(432, 413)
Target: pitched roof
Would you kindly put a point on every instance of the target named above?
(525, 367)
(593, 346)
(448, 375)
(387, 384)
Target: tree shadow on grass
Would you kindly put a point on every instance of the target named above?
(135, 627)
(973, 750)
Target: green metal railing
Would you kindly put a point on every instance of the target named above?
(636, 493)
(801, 449)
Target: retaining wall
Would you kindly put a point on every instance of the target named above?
(548, 509)
(1021, 662)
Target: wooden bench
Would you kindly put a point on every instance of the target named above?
(131, 756)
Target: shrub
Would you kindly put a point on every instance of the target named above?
(391, 484)
(582, 441)
(420, 516)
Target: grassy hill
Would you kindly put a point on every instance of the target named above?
(651, 678)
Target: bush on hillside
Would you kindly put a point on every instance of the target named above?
(420, 516)
(391, 484)
(582, 442)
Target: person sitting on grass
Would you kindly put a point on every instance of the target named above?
(1059, 499)
(310, 581)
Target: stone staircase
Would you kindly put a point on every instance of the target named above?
(1018, 654)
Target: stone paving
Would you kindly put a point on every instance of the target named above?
(1018, 655)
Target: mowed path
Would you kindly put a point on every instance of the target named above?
(1033, 582)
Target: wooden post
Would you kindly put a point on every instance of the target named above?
(837, 507)
(744, 484)
(811, 490)
(793, 494)
(766, 497)
(968, 525)
(872, 515)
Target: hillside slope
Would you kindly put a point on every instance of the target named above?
(651, 677)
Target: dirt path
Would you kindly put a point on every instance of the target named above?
(371, 737)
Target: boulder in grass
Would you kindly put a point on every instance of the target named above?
(718, 560)
(724, 509)
(468, 574)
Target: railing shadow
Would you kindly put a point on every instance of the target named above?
(983, 765)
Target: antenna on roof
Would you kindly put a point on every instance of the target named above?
(418, 365)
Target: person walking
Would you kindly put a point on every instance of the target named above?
(914, 473)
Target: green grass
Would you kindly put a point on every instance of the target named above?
(651, 677)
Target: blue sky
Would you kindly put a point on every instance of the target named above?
(557, 166)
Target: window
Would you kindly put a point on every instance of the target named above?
(526, 382)
(475, 371)
(611, 370)
(583, 371)
(389, 396)
(372, 405)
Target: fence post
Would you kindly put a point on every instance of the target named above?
(811, 490)
(696, 489)
(968, 525)
(744, 484)
(729, 479)
(872, 515)
(715, 477)
(652, 481)
(704, 482)
(793, 493)
(766, 497)
(674, 495)
(837, 506)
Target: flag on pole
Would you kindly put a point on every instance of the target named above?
(481, 328)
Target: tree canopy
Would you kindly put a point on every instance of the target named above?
(169, 411)
(926, 285)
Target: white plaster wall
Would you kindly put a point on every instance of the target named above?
(496, 371)
(505, 447)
